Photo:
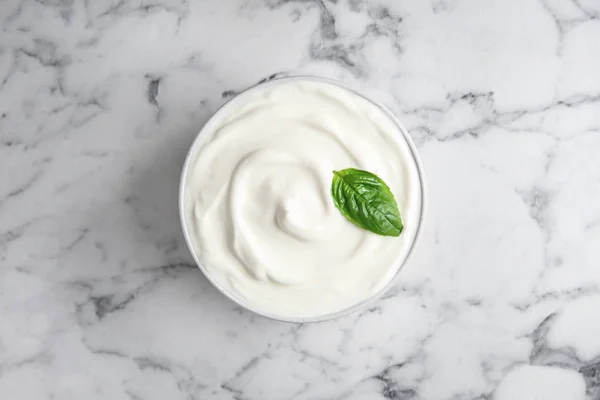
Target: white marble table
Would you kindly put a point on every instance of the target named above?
(99, 298)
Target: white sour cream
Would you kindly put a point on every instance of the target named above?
(257, 201)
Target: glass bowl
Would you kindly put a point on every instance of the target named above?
(237, 298)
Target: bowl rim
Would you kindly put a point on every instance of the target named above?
(198, 142)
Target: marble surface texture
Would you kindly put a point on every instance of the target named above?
(99, 297)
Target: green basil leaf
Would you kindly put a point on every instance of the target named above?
(365, 200)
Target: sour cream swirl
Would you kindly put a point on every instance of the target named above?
(258, 207)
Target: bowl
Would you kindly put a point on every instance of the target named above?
(196, 147)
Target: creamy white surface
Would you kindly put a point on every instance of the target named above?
(258, 199)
